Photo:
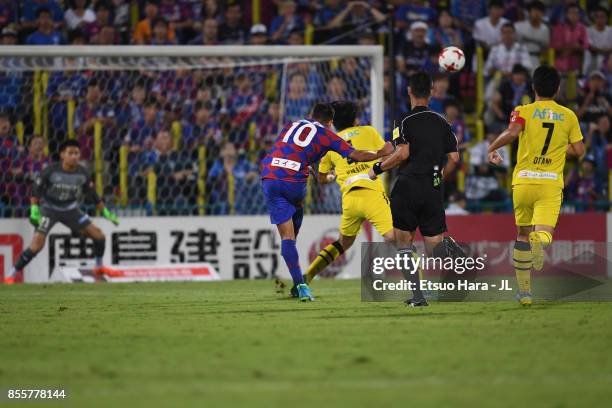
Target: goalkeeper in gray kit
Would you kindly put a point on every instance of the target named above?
(56, 197)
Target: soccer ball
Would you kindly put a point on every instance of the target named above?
(451, 59)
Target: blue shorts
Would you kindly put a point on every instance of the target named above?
(283, 198)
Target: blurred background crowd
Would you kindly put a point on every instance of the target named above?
(189, 141)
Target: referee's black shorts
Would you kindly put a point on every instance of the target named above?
(416, 203)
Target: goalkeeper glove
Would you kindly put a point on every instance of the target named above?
(111, 216)
(35, 216)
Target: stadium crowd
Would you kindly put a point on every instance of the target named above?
(236, 115)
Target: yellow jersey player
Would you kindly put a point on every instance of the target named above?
(547, 132)
(362, 198)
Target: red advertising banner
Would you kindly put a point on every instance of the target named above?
(501, 228)
(15, 244)
(579, 243)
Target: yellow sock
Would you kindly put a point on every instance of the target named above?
(326, 257)
(545, 237)
(521, 258)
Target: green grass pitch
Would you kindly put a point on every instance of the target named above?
(238, 343)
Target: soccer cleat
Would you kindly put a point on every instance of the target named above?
(103, 270)
(294, 292)
(524, 298)
(416, 303)
(537, 251)
(9, 280)
(304, 293)
(453, 249)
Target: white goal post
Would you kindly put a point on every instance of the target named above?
(277, 53)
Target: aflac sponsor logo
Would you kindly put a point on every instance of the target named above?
(548, 114)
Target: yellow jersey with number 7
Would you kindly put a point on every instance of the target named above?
(547, 130)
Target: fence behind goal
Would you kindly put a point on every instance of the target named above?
(172, 130)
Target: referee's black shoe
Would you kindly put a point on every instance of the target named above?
(416, 303)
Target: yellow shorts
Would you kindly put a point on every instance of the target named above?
(361, 204)
(536, 204)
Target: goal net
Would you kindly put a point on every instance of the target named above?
(171, 130)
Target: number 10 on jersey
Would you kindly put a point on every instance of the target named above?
(297, 130)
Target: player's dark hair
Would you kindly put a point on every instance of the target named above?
(546, 81)
(69, 143)
(573, 6)
(420, 84)
(322, 112)
(5, 116)
(345, 113)
(508, 25)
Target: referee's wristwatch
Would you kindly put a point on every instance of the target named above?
(378, 168)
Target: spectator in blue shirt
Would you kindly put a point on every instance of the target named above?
(356, 16)
(148, 127)
(297, 102)
(11, 81)
(439, 93)
(245, 183)
(176, 177)
(444, 34)
(287, 21)
(45, 35)
(203, 129)
(598, 141)
(8, 13)
(415, 10)
(584, 187)
(466, 12)
(31, 8)
(558, 12)
(63, 86)
(415, 54)
(328, 12)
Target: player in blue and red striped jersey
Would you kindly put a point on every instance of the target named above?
(285, 172)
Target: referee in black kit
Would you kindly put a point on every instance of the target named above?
(425, 143)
